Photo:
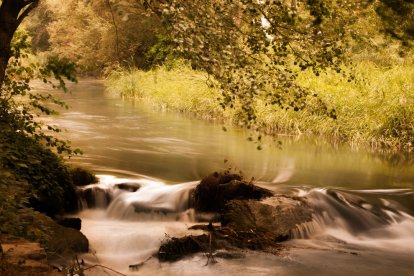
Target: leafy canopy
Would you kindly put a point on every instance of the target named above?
(256, 49)
(20, 107)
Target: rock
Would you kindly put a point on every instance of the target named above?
(215, 190)
(130, 186)
(62, 240)
(251, 217)
(67, 241)
(75, 223)
(222, 238)
(22, 257)
(175, 249)
(276, 216)
(82, 177)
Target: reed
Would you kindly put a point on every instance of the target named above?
(179, 88)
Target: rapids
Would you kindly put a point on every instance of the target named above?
(348, 223)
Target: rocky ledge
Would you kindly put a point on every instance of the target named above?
(20, 257)
(244, 216)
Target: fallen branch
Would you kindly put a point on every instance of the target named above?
(105, 267)
(137, 266)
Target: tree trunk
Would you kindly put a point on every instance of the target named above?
(12, 13)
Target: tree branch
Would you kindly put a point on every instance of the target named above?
(30, 5)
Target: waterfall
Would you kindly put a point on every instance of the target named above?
(360, 217)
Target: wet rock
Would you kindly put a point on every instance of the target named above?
(251, 217)
(62, 240)
(130, 187)
(75, 223)
(215, 190)
(174, 249)
(275, 217)
(218, 238)
(82, 177)
(206, 217)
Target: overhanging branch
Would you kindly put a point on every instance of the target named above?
(26, 9)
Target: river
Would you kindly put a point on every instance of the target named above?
(363, 202)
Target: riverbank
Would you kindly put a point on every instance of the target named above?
(376, 110)
(37, 188)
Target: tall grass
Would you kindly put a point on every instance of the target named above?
(179, 88)
(376, 110)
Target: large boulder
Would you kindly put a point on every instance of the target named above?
(276, 216)
(215, 190)
(59, 240)
(251, 217)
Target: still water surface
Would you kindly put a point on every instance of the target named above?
(363, 202)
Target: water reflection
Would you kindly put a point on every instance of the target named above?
(129, 138)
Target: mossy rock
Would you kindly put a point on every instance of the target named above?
(174, 249)
(215, 190)
(82, 177)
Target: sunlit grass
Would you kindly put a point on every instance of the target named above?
(181, 89)
(376, 110)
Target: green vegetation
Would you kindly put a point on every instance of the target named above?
(33, 177)
(375, 110)
(176, 87)
(97, 35)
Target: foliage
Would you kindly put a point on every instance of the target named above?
(397, 18)
(31, 175)
(20, 107)
(260, 54)
(23, 136)
(12, 198)
(16, 218)
(98, 34)
(258, 48)
(50, 187)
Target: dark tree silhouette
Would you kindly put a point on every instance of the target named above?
(12, 13)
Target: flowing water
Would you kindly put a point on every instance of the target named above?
(363, 203)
